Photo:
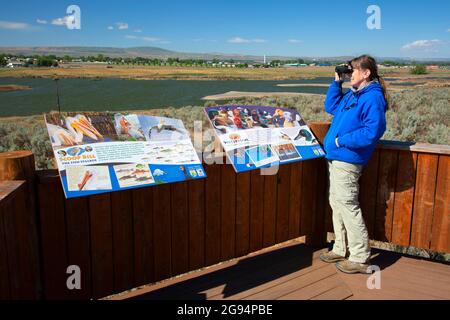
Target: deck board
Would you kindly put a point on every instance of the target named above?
(293, 271)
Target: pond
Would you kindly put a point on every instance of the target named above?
(82, 94)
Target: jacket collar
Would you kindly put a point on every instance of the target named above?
(361, 87)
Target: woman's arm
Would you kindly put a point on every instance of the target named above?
(374, 120)
(334, 95)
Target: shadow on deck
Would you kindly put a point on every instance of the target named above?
(294, 271)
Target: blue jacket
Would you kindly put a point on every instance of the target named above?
(359, 122)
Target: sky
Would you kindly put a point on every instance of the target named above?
(408, 29)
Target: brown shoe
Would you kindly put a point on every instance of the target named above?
(330, 257)
(353, 267)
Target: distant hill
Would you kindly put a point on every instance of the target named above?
(155, 52)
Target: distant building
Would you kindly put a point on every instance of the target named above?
(432, 67)
(14, 64)
(291, 65)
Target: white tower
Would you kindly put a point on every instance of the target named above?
(264, 59)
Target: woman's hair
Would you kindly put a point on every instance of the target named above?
(367, 62)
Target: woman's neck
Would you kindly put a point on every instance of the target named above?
(362, 85)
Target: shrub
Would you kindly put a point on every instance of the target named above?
(419, 69)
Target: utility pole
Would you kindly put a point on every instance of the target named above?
(57, 95)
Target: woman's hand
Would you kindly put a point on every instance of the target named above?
(337, 77)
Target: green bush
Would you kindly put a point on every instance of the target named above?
(419, 69)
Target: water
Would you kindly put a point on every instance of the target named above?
(123, 94)
(405, 84)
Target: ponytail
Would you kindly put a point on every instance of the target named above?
(384, 87)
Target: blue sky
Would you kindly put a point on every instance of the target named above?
(415, 29)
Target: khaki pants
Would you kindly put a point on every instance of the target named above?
(348, 223)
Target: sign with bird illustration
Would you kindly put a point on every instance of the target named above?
(256, 137)
(99, 152)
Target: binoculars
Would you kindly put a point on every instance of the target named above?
(343, 69)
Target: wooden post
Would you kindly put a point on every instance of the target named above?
(22, 217)
(318, 235)
(17, 165)
(320, 129)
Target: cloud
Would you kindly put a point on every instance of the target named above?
(137, 30)
(242, 40)
(238, 40)
(64, 21)
(122, 25)
(448, 30)
(41, 21)
(295, 41)
(203, 40)
(14, 25)
(110, 28)
(149, 39)
(423, 45)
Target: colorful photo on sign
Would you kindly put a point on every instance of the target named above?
(163, 129)
(301, 136)
(261, 155)
(286, 152)
(73, 129)
(227, 119)
(128, 127)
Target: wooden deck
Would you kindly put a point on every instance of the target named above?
(294, 272)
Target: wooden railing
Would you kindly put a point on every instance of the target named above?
(405, 195)
(19, 250)
(126, 239)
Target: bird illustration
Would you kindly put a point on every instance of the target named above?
(163, 126)
(127, 128)
(303, 133)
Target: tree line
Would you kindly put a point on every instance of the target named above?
(53, 60)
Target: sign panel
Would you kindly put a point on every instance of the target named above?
(256, 137)
(98, 152)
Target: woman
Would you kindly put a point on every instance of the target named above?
(358, 124)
